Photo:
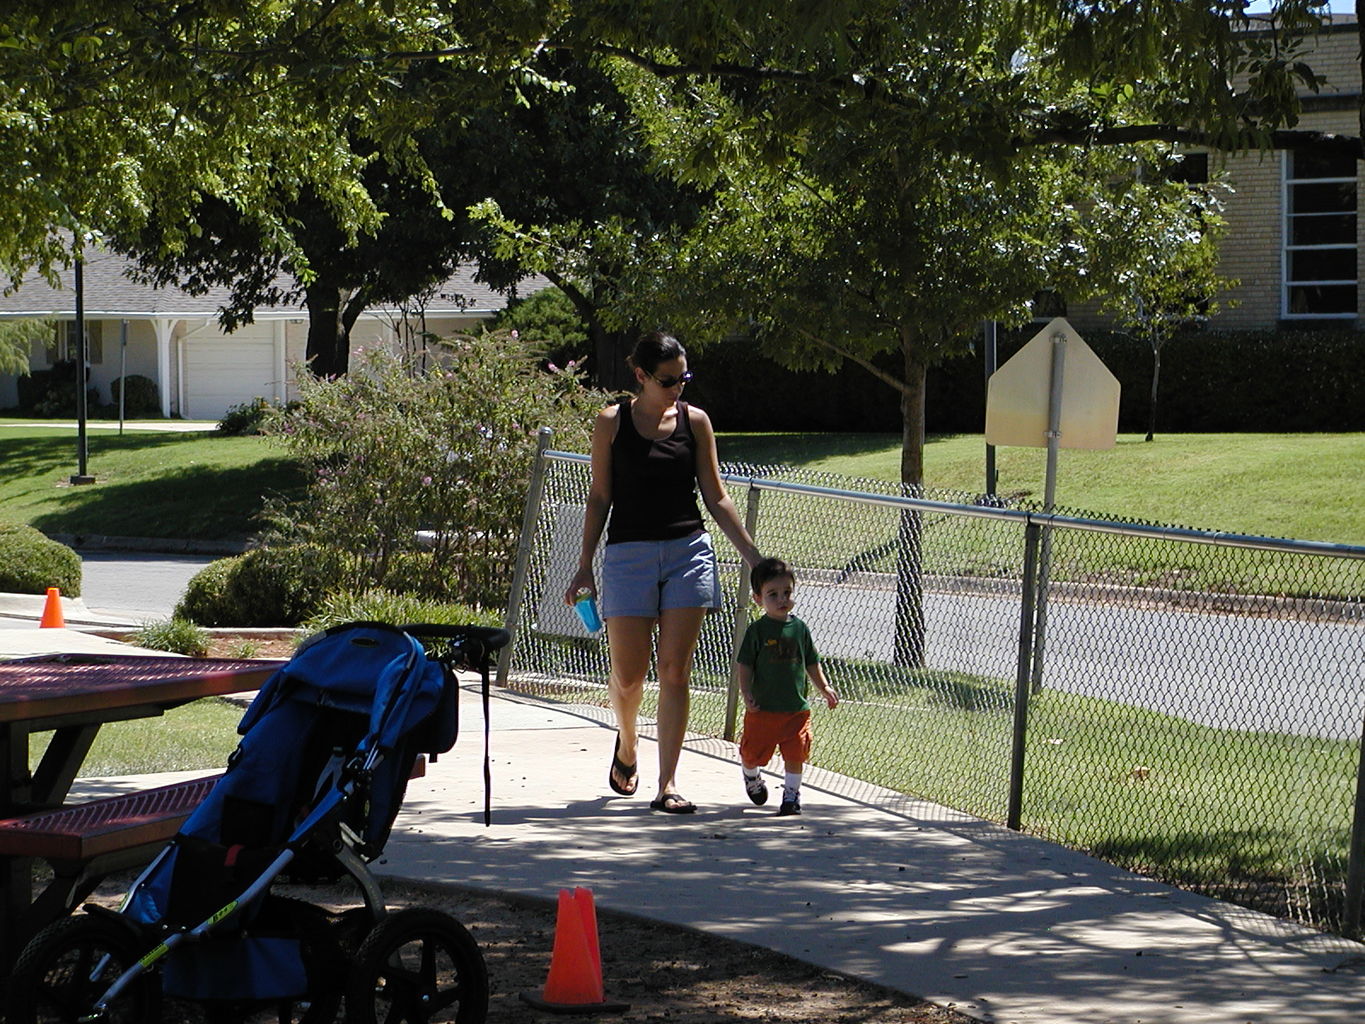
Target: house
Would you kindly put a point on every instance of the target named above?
(174, 338)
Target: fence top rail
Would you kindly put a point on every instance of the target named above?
(1216, 538)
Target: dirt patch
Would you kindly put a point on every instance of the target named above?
(234, 646)
(666, 973)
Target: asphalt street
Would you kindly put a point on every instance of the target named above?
(140, 586)
(1197, 665)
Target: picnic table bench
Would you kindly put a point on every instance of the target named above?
(84, 843)
(72, 696)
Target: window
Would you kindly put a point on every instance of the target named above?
(1319, 237)
(64, 345)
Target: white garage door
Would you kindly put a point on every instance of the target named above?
(226, 370)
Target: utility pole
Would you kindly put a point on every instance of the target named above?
(82, 445)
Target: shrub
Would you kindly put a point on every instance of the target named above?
(246, 419)
(30, 563)
(52, 392)
(274, 586)
(141, 398)
(205, 600)
(393, 450)
(176, 635)
(396, 610)
(548, 319)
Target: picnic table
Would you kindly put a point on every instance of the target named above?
(73, 695)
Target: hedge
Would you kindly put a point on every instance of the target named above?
(30, 563)
(1211, 381)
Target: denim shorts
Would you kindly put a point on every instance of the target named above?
(644, 577)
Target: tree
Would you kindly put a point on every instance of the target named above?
(1197, 74)
(1170, 277)
(113, 108)
(338, 275)
(571, 191)
(16, 342)
(862, 245)
(561, 150)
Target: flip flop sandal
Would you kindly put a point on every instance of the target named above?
(626, 771)
(673, 803)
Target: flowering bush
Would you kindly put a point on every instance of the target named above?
(445, 452)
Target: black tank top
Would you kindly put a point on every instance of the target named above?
(653, 483)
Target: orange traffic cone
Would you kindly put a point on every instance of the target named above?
(52, 611)
(574, 984)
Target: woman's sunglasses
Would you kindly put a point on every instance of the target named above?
(669, 382)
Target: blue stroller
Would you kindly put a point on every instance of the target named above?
(309, 796)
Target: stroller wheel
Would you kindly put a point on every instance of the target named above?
(418, 966)
(70, 964)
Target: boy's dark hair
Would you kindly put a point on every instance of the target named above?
(769, 569)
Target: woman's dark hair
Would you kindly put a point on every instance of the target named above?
(654, 348)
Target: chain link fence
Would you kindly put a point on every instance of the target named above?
(1183, 703)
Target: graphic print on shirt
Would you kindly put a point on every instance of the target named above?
(784, 649)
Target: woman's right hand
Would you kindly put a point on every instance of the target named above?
(582, 580)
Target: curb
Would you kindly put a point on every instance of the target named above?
(74, 611)
(152, 545)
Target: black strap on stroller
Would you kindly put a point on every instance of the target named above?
(478, 645)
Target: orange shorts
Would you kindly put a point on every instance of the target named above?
(766, 731)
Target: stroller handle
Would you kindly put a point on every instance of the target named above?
(476, 643)
(492, 637)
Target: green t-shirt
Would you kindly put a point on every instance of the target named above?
(779, 652)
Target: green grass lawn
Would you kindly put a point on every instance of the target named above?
(1302, 486)
(200, 734)
(178, 485)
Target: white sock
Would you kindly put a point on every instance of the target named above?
(749, 773)
(791, 786)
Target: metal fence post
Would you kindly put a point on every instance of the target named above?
(741, 616)
(1022, 679)
(529, 519)
(1355, 863)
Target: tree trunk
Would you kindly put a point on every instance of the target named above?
(609, 351)
(1156, 378)
(912, 416)
(909, 627)
(329, 337)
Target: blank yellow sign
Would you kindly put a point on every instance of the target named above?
(1017, 395)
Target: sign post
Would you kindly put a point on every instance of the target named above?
(1053, 393)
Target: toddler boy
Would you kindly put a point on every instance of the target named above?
(776, 659)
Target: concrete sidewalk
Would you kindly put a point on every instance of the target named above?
(867, 882)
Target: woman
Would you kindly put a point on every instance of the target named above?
(650, 454)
